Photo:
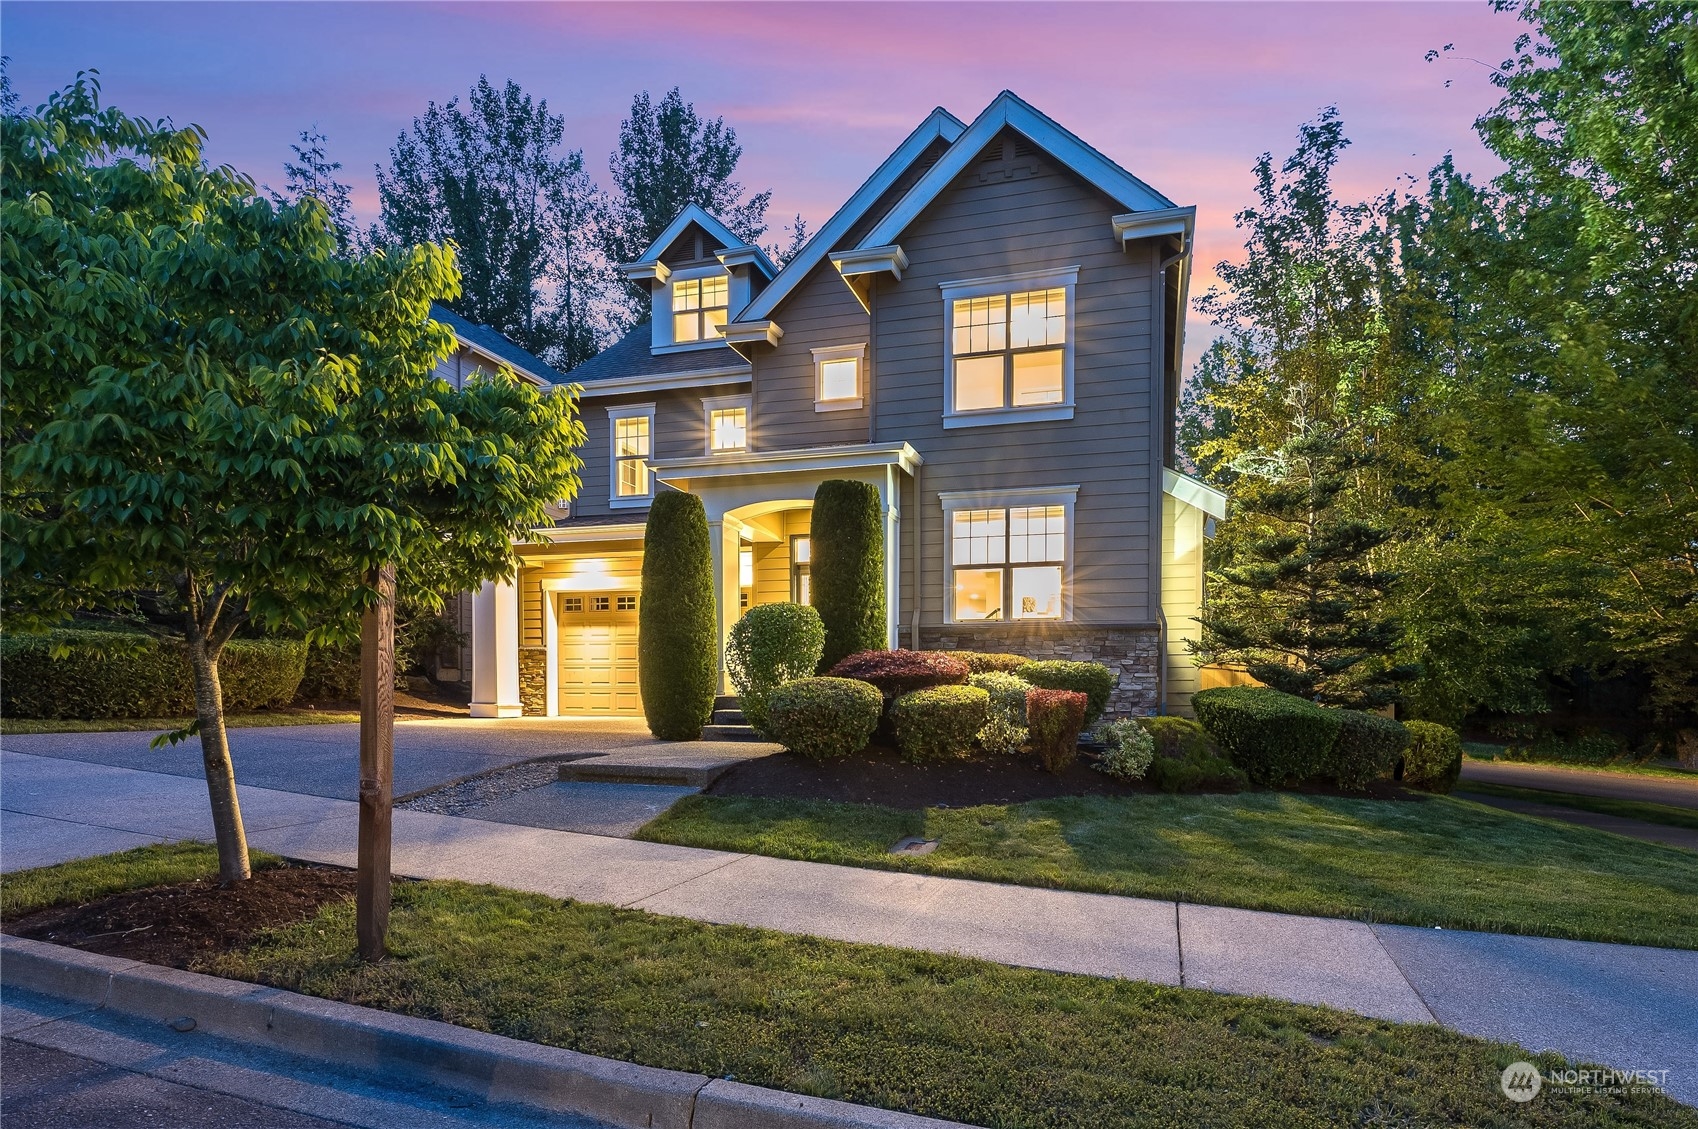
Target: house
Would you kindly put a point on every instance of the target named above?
(990, 331)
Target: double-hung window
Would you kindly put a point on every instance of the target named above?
(727, 419)
(699, 308)
(1010, 560)
(631, 441)
(1009, 346)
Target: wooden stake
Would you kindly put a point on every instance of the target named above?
(377, 761)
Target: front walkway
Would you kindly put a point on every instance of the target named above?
(1621, 1005)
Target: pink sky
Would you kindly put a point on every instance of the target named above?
(1184, 96)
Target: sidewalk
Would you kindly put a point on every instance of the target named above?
(1624, 1006)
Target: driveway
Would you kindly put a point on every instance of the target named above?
(1670, 790)
(323, 760)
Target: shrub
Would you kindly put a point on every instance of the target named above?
(821, 718)
(897, 672)
(1001, 737)
(1179, 737)
(771, 645)
(1094, 680)
(1274, 737)
(1056, 718)
(938, 723)
(1007, 694)
(332, 673)
(1130, 749)
(986, 662)
(847, 570)
(104, 673)
(1433, 760)
(1199, 768)
(1367, 748)
(677, 630)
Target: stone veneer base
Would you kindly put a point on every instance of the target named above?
(1133, 652)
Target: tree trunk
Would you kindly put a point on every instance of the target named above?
(377, 756)
(220, 773)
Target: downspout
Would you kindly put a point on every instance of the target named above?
(1161, 612)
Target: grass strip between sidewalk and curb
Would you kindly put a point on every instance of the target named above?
(1662, 814)
(1442, 861)
(941, 1036)
(22, 726)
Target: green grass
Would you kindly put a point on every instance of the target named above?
(85, 880)
(1663, 814)
(1445, 862)
(943, 1036)
(21, 725)
(1488, 753)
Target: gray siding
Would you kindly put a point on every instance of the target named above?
(680, 431)
(987, 226)
(819, 313)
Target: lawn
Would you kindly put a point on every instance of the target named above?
(1487, 753)
(20, 725)
(1444, 862)
(943, 1036)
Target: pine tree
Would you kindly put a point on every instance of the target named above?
(313, 174)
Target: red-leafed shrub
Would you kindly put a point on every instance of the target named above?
(1055, 718)
(898, 672)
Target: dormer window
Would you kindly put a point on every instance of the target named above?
(699, 308)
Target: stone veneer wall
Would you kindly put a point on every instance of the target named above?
(1132, 651)
(533, 680)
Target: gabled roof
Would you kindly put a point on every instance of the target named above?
(939, 123)
(1010, 111)
(630, 357)
(696, 214)
(497, 347)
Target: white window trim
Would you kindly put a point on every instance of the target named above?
(953, 500)
(711, 404)
(616, 500)
(856, 353)
(1067, 278)
(661, 339)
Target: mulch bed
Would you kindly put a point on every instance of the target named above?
(173, 925)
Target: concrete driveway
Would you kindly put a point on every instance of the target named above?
(323, 760)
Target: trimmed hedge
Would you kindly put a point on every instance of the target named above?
(897, 672)
(939, 723)
(108, 673)
(1094, 680)
(332, 673)
(1433, 760)
(847, 569)
(822, 718)
(771, 645)
(1187, 758)
(988, 662)
(1055, 718)
(1367, 748)
(1276, 738)
(677, 629)
(1179, 737)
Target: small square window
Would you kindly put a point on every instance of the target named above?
(627, 603)
(573, 603)
(728, 429)
(837, 377)
(598, 603)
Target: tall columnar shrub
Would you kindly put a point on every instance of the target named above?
(677, 651)
(1055, 719)
(771, 645)
(1276, 738)
(1433, 760)
(847, 570)
(1094, 680)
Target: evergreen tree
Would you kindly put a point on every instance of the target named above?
(312, 173)
(669, 157)
(489, 177)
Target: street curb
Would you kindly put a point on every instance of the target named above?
(492, 1067)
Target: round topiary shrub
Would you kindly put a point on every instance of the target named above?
(1007, 693)
(1276, 738)
(985, 662)
(1367, 748)
(822, 718)
(847, 569)
(677, 645)
(771, 645)
(1094, 680)
(939, 723)
(1433, 760)
(1055, 719)
(897, 672)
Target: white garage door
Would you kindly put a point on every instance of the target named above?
(598, 655)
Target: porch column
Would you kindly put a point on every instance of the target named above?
(891, 496)
(725, 540)
(495, 651)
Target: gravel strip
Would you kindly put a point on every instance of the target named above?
(469, 795)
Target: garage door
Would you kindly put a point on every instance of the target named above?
(598, 655)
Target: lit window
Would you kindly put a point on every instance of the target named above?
(728, 429)
(1008, 562)
(1009, 349)
(801, 558)
(745, 567)
(837, 377)
(698, 308)
(632, 446)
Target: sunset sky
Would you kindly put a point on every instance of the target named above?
(1184, 96)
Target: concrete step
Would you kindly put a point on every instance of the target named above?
(726, 702)
(730, 733)
(729, 717)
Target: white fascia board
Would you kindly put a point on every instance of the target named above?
(1154, 224)
(611, 532)
(802, 459)
(939, 123)
(643, 271)
(765, 332)
(871, 260)
(746, 256)
(1193, 493)
(1008, 110)
(693, 213)
(704, 378)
